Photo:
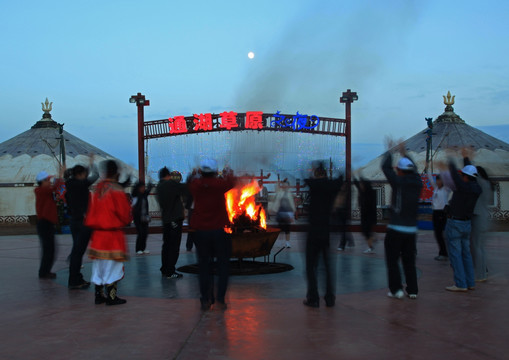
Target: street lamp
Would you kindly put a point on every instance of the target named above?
(348, 98)
(140, 102)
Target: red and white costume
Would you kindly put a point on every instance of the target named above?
(109, 211)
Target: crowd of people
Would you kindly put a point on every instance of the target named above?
(97, 218)
(460, 219)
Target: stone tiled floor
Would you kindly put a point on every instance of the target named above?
(42, 319)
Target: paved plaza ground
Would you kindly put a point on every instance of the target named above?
(265, 319)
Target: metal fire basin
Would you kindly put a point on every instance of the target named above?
(249, 245)
(253, 244)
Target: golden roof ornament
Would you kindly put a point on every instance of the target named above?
(449, 116)
(449, 100)
(47, 106)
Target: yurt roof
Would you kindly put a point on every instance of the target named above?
(45, 140)
(450, 134)
(38, 149)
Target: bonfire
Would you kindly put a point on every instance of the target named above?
(243, 213)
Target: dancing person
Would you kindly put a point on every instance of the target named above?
(141, 215)
(169, 195)
(480, 222)
(367, 204)
(457, 230)
(322, 192)
(346, 239)
(400, 239)
(77, 196)
(262, 197)
(47, 218)
(188, 208)
(209, 220)
(284, 206)
(109, 211)
(439, 200)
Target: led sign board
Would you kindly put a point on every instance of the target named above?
(253, 121)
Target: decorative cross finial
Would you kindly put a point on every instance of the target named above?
(448, 101)
(46, 106)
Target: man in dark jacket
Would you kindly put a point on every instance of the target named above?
(77, 195)
(461, 208)
(322, 193)
(400, 239)
(169, 196)
(209, 220)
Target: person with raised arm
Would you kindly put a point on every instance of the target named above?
(77, 196)
(480, 218)
(322, 193)
(400, 240)
(439, 201)
(457, 231)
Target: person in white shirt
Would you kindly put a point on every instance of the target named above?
(440, 199)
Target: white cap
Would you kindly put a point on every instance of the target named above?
(208, 165)
(469, 170)
(405, 164)
(41, 176)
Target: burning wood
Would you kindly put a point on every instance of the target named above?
(243, 213)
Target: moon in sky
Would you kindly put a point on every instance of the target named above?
(250, 55)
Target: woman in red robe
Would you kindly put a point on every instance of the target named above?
(109, 211)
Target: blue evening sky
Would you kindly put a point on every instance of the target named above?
(191, 57)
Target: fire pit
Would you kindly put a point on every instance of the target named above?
(249, 234)
(253, 244)
(248, 225)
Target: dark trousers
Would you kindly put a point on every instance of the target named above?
(398, 244)
(141, 238)
(80, 238)
(318, 246)
(46, 232)
(172, 237)
(439, 222)
(190, 234)
(209, 245)
(190, 240)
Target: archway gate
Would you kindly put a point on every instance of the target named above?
(254, 120)
(249, 121)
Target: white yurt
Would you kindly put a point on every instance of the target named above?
(449, 134)
(43, 147)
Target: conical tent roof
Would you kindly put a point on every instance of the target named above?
(39, 148)
(45, 141)
(450, 133)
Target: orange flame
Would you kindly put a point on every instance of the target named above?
(263, 218)
(239, 201)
